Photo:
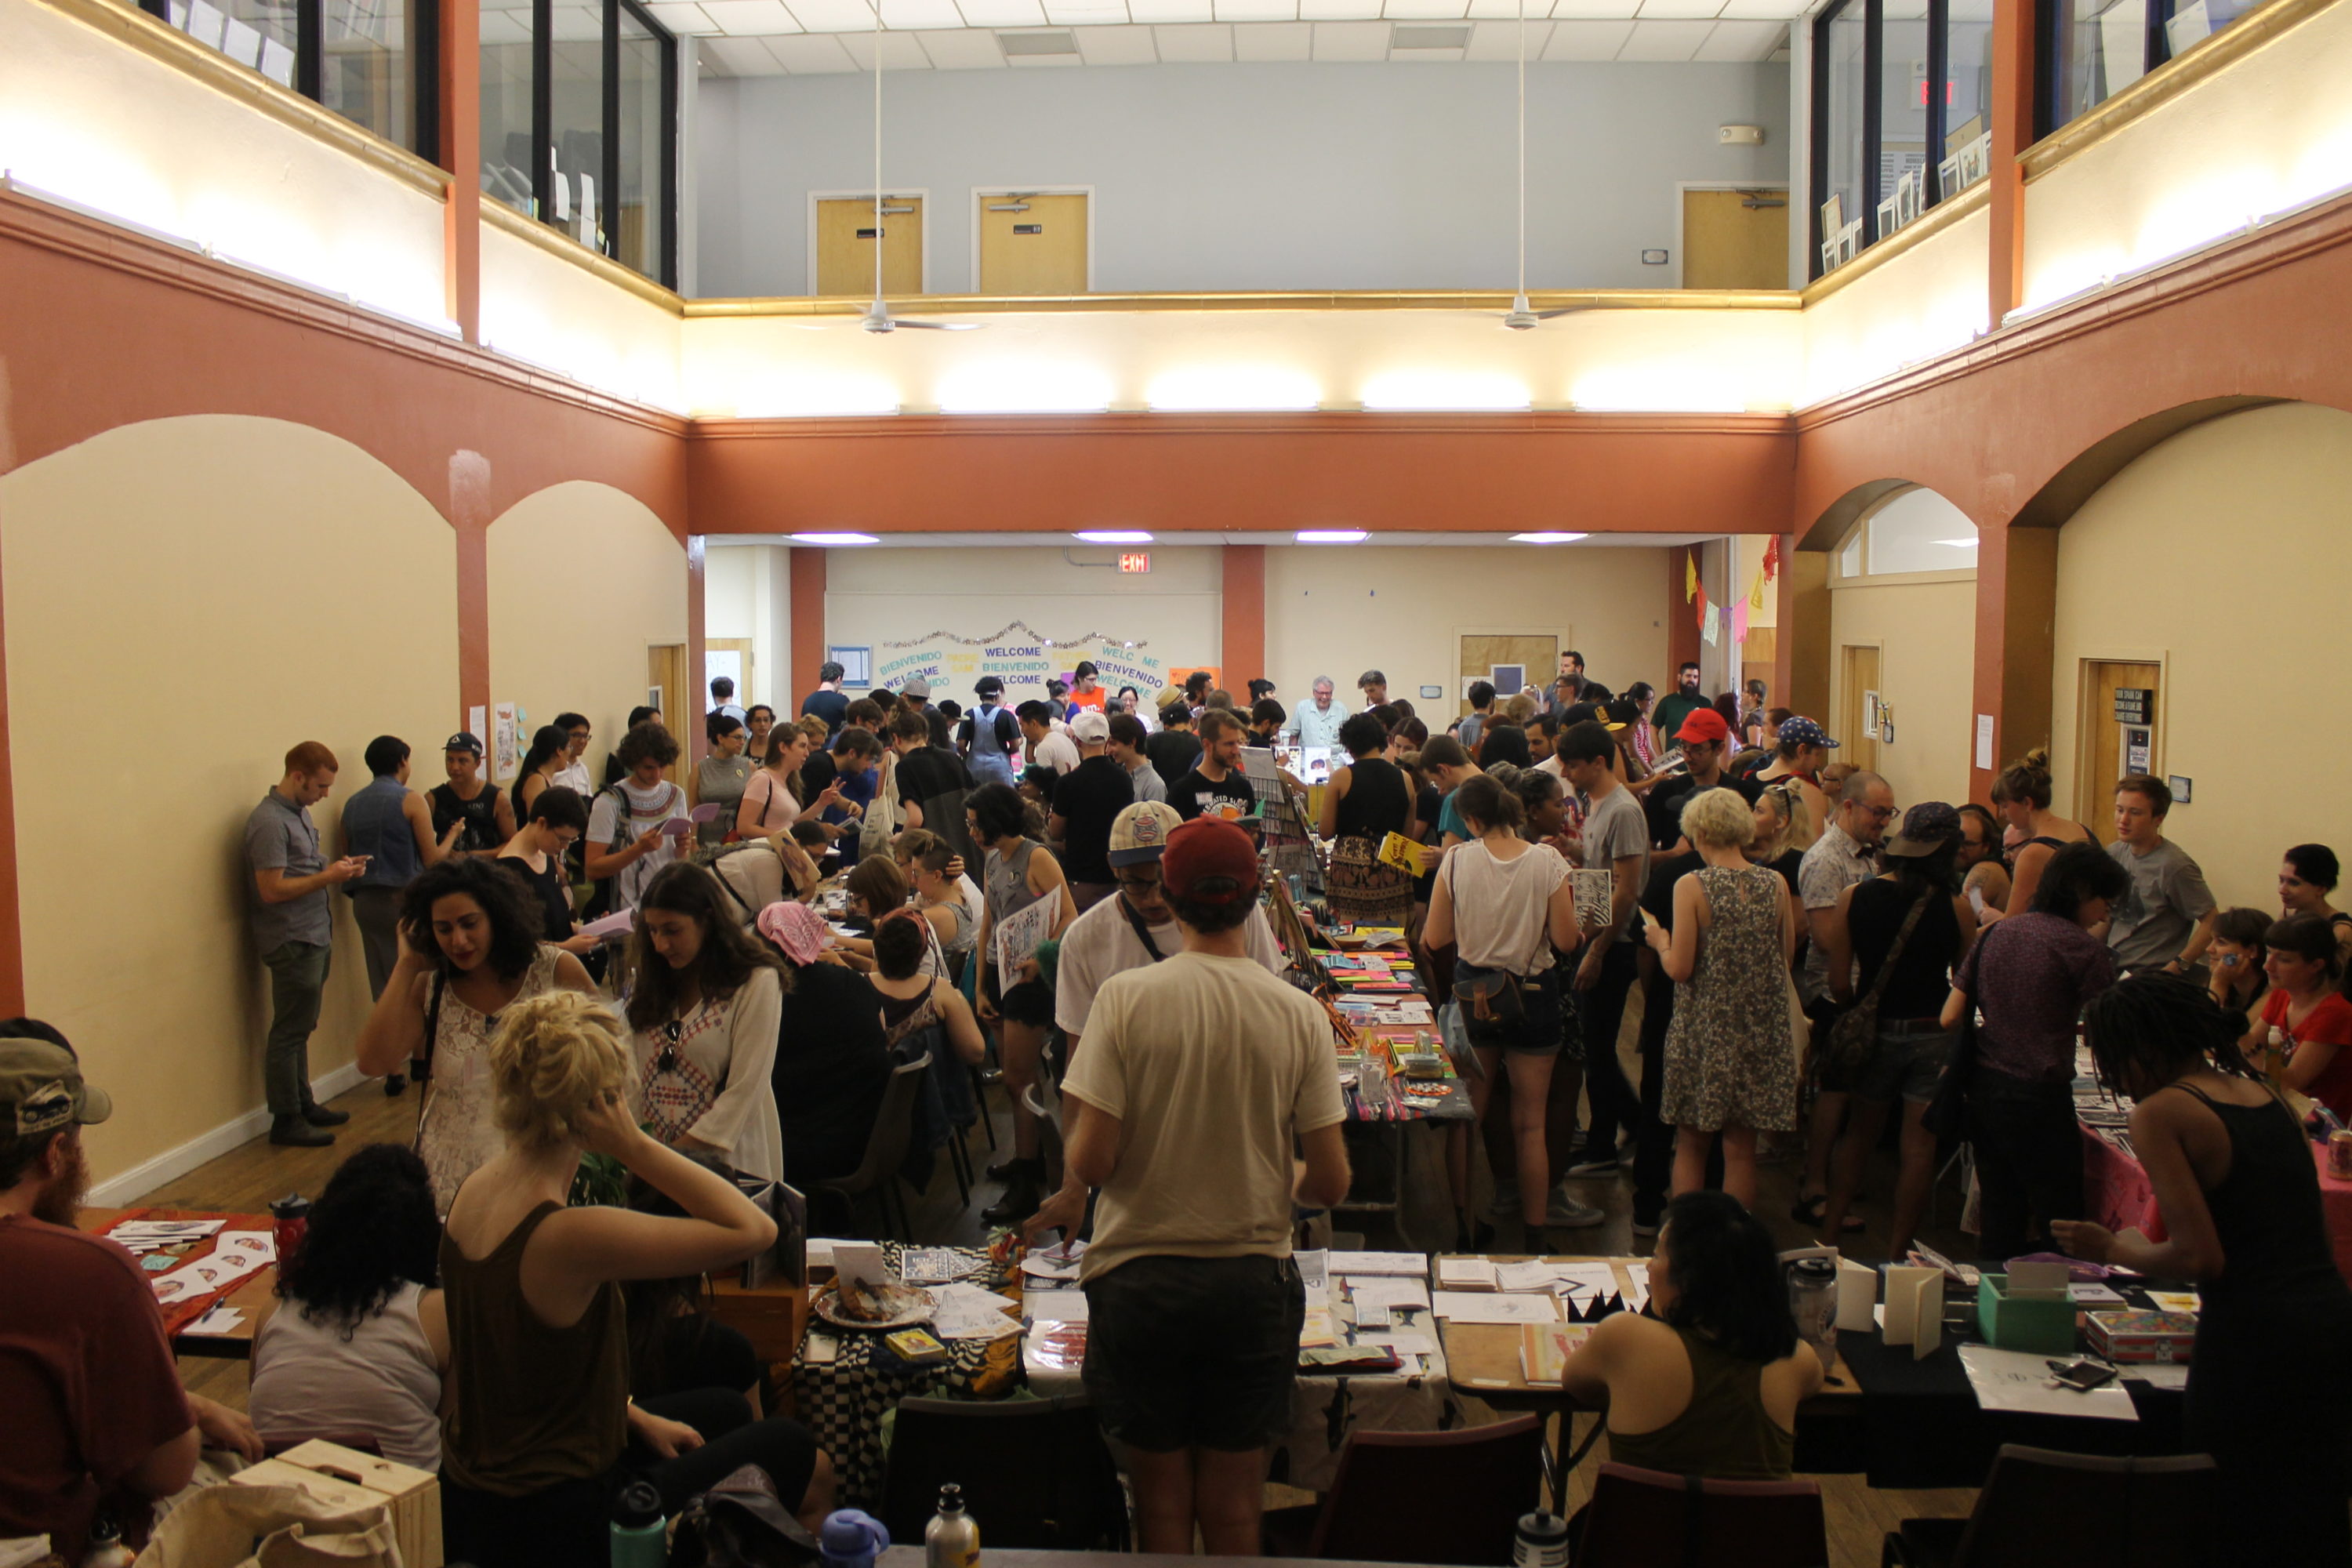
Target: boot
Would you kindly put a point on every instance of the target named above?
(319, 1116)
(393, 1084)
(294, 1132)
(1022, 1179)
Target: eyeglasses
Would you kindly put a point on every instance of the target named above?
(1883, 813)
(1138, 883)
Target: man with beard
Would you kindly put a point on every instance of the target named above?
(96, 1415)
(1670, 713)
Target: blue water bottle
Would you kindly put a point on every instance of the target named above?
(852, 1540)
(640, 1531)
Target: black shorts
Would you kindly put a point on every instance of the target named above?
(1195, 1352)
(1030, 1002)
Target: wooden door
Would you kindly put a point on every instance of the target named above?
(1755, 664)
(2101, 740)
(844, 246)
(1736, 239)
(740, 667)
(1537, 652)
(1033, 245)
(1858, 713)
(668, 688)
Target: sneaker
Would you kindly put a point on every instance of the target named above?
(393, 1084)
(319, 1116)
(1507, 1201)
(293, 1132)
(1604, 1167)
(1564, 1213)
(1648, 1227)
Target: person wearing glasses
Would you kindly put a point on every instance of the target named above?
(471, 949)
(703, 1018)
(1846, 853)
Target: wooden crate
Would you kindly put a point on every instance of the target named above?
(345, 1477)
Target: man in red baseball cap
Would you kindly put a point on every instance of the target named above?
(1198, 1074)
(1705, 740)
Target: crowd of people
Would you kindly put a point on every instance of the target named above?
(1810, 955)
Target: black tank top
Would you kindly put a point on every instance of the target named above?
(480, 815)
(1378, 802)
(2272, 1228)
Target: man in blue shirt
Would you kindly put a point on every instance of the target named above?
(827, 701)
(1316, 724)
(293, 929)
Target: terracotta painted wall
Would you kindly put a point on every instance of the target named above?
(235, 616)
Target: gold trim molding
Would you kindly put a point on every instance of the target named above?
(1935, 221)
(1304, 300)
(563, 248)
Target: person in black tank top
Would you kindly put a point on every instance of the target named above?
(1363, 804)
(2234, 1175)
(487, 814)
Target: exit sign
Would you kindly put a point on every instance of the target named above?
(1135, 560)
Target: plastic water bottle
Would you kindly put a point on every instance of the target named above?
(851, 1539)
(1541, 1541)
(1813, 1301)
(953, 1538)
(640, 1530)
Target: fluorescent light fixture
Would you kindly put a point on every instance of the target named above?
(1113, 536)
(835, 539)
(1959, 543)
(1330, 536)
(999, 387)
(1444, 391)
(1546, 538)
(1231, 389)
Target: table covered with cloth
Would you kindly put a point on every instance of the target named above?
(2117, 1194)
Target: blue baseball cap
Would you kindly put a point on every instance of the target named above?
(1805, 732)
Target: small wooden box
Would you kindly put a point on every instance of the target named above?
(346, 1478)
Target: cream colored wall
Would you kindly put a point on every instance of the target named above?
(1341, 610)
(84, 116)
(553, 313)
(1925, 634)
(582, 579)
(2235, 614)
(225, 587)
(2272, 131)
(747, 592)
(1912, 307)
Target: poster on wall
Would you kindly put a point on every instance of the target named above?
(506, 756)
(1022, 658)
(728, 662)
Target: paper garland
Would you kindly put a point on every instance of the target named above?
(1025, 629)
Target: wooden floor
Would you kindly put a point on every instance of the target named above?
(246, 1179)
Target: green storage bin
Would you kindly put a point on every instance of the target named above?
(2045, 1328)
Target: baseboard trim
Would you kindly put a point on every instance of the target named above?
(116, 1191)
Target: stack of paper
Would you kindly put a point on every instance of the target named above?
(1467, 1274)
(139, 1237)
(967, 1312)
(1481, 1307)
(2021, 1380)
(1406, 1263)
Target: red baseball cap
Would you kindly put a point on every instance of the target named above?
(1703, 724)
(1207, 847)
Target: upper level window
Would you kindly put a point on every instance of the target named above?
(371, 61)
(592, 154)
(2093, 50)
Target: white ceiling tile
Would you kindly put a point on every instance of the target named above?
(1002, 12)
(1352, 40)
(1174, 10)
(1087, 13)
(683, 18)
(1042, 62)
(1509, 10)
(742, 57)
(901, 51)
(1196, 44)
(962, 49)
(1586, 40)
(1594, 10)
(1762, 10)
(1679, 10)
(1424, 10)
(1664, 42)
(1339, 10)
(1274, 41)
(818, 54)
(1118, 47)
(835, 16)
(1741, 40)
(911, 15)
(1257, 10)
(1423, 57)
(1500, 40)
(750, 17)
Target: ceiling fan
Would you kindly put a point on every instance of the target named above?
(878, 317)
(1519, 318)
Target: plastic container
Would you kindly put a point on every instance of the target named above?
(851, 1539)
(105, 1549)
(2009, 1323)
(1540, 1541)
(1813, 1301)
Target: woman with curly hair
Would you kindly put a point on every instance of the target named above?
(472, 950)
(360, 1344)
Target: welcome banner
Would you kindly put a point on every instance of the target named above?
(1021, 657)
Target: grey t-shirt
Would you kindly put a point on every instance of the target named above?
(2153, 920)
(1614, 830)
(280, 835)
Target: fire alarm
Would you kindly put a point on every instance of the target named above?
(1740, 136)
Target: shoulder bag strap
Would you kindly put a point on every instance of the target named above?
(425, 1092)
(1895, 953)
(1142, 932)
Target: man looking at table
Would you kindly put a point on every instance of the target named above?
(1197, 1076)
(1318, 722)
(95, 1413)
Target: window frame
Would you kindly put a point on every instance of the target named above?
(311, 66)
(608, 174)
(1874, 115)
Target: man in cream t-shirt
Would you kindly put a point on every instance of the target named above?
(1196, 1076)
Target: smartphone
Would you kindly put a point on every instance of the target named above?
(2081, 1377)
(1649, 921)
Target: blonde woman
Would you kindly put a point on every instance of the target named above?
(1730, 1055)
(1783, 828)
(539, 1427)
(2022, 794)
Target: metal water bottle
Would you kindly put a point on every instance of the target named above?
(1541, 1541)
(952, 1539)
(640, 1532)
(289, 1219)
(1813, 1301)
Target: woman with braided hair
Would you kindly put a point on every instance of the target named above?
(2239, 1196)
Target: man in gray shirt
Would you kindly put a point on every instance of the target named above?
(2166, 918)
(1846, 853)
(1616, 840)
(293, 928)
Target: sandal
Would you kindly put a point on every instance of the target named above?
(1807, 1212)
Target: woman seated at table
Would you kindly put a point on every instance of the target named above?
(1710, 1386)
(2303, 1037)
(2241, 980)
(356, 1350)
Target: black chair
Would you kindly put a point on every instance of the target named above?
(1638, 1518)
(1379, 1509)
(2080, 1511)
(1037, 1472)
(886, 1150)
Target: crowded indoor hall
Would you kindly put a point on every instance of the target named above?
(1412, 781)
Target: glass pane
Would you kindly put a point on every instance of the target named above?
(1903, 114)
(1842, 138)
(577, 147)
(2102, 49)
(370, 59)
(1919, 531)
(2188, 23)
(257, 33)
(644, 180)
(506, 102)
(1967, 92)
(1848, 561)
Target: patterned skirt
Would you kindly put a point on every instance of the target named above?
(1363, 892)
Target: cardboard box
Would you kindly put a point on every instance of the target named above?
(2142, 1336)
(2012, 1321)
(346, 1479)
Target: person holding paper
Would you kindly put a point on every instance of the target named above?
(554, 822)
(472, 950)
(1363, 803)
(2272, 1371)
(721, 778)
(629, 836)
(1019, 871)
(1709, 1384)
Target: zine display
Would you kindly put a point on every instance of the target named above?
(1282, 819)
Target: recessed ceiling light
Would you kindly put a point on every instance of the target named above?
(1546, 538)
(1114, 536)
(835, 539)
(1330, 536)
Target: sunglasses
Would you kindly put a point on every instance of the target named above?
(665, 1060)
